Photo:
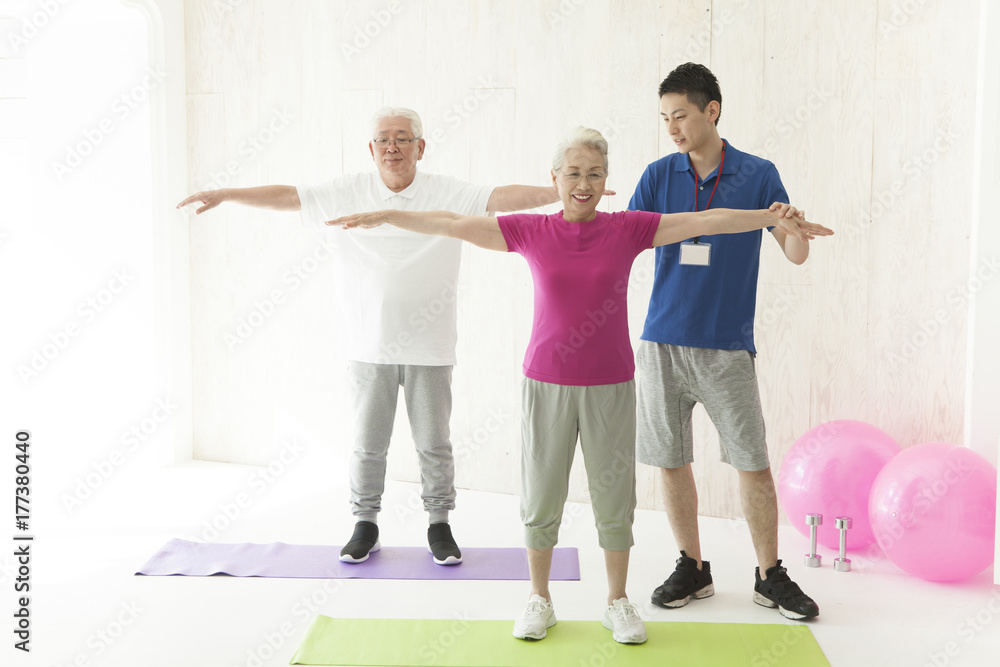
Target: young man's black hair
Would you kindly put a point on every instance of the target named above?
(697, 82)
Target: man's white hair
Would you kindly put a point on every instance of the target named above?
(580, 137)
(399, 112)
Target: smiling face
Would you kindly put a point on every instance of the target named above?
(397, 164)
(690, 128)
(580, 182)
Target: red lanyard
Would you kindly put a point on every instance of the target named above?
(717, 179)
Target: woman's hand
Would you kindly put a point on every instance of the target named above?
(793, 221)
(362, 220)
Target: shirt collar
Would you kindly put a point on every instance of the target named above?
(409, 192)
(734, 158)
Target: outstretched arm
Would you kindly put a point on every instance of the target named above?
(274, 197)
(508, 198)
(675, 227)
(482, 231)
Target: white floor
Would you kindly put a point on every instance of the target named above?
(88, 608)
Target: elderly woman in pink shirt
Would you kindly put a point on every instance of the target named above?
(579, 366)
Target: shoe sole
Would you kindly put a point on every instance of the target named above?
(348, 558)
(450, 560)
(706, 592)
(621, 640)
(771, 604)
(538, 637)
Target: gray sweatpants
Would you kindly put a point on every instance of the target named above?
(427, 391)
(552, 417)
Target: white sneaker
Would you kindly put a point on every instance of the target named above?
(535, 619)
(624, 622)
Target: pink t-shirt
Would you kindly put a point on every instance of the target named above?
(580, 272)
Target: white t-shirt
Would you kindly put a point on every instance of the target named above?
(397, 289)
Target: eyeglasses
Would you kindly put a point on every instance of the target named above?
(593, 177)
(382, 142)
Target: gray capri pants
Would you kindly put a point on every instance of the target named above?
(552, 415)
(671, 379)
(427, 390)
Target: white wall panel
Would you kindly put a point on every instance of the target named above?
(818, 92)
(835, 93)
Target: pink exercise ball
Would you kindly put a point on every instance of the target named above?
(933, 510)
(830, 471)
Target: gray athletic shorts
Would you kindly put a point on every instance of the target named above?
(669, 381)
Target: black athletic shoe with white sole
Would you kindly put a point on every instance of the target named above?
(363, 542)
(777, 590)
(442, 545)
(686, 582)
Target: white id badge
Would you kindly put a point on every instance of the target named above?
(696, 254)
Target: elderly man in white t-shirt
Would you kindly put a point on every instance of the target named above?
(397, 290)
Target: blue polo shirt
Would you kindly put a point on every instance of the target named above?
(707, 306)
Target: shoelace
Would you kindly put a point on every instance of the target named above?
(627, 612)
(678, 578)
(535, 607)
(780, 582)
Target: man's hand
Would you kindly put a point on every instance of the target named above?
(787, 211)
(210, 199)
(793, 221)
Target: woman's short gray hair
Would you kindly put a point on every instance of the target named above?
(580, 137)
(399, 112)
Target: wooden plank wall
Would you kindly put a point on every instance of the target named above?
(866, 108)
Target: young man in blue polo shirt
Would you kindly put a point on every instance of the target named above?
(697, 345)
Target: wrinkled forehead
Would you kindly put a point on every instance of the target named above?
(394, 126)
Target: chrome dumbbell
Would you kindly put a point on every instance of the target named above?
(814, 521)
(843, 564)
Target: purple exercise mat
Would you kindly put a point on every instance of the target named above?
(298, 561)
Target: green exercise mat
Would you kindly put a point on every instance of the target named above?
(467, 643)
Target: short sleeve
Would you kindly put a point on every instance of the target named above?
(772, 189)
(517, 230)
(643, 225)
(642, 199)
(461, 197)
(312, 214)
(325, 201)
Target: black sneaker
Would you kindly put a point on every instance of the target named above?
(442, 544)
(363, 542)
(686, 582)
(781, 592)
